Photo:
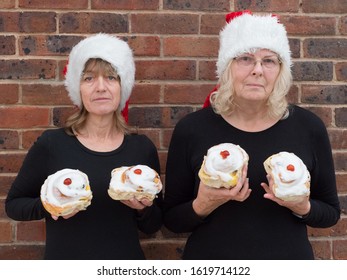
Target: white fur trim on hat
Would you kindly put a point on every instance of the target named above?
(247, 32)
(109, 48)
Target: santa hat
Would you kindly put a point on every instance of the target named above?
(245, 31)
(108, 48)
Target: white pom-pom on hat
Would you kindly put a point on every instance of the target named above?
(245, 31)
(109, 48)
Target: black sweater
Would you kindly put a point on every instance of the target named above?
(256, 228)
(107, 229)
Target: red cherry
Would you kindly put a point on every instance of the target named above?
(224, 154)
(67, 181)
(290, 167)
(138, 171)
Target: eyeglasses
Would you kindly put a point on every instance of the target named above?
(247, 61)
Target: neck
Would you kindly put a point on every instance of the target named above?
(100, 134)
(250, 119)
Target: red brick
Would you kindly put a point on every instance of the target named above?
(268, 5)
(93, 23)
(207, 70)
(212, 23)
(325, 48)
(163, 250)
(341, 182)
(7, 4)
(155, 117)
(293, 95)
(166, 137)
(5, 184)
(186, 94)
(35, 22)
(11, 163)
(24, 117)
(144, 45)
(340, 161)
(341, 116)
(343, 25)
(3, 215)
(324, 113)
(153, 134)
(8, 93)
(9, 22)
(47, 45)
(29, 137)
(5, 232)
(322, 249)
(162, 160)
(323, 6)
(60, 114)
(7, 45)
(323, 94)
(43, 94)
(190, 46)
(165, 23)
(197, 5)
(53, 4)
(340, 249)
(9, 139)
(312, 71)
(22, 252)
(341, 71)
(31, 231)
(165, 70)
(307, 25)
(145, 94)
(125, 5)
(338, 138)
(27, 69)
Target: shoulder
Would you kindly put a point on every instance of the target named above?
(304, 116)
(139, 139)
(201, 117)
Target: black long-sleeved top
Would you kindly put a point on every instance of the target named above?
(107, 229)
(256, 228)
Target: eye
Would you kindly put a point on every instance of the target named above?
(87, 78)
(268, 61)
(245, 58)
(112, 78)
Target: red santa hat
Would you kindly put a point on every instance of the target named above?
(109, 48)
(244, 32)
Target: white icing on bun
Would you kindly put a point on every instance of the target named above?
(290, 175)
(65, 192)
(222, 166)
(139, 181)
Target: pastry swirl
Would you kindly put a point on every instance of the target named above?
(290, 175)
(139, 181)
(222, 166)
(65, 192)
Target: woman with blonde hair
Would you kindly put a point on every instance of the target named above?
(217, 188)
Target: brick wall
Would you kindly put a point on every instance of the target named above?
(175, 46)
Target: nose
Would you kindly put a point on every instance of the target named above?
(100, 83)
(257, 68)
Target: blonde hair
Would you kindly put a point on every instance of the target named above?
(77, 120)
(222, 100)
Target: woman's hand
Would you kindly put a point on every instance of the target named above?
(301, 207)
(139, 205)
(209, 198)
(65, 217)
